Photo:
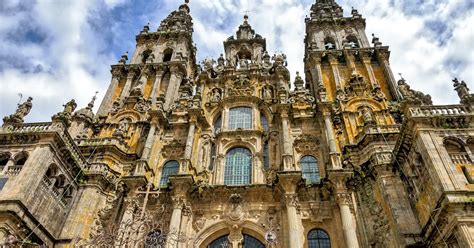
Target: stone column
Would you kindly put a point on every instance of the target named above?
(383, 60)
(173, 87)
(366, 60)
(334, 154)
(156, 86)
(180, 185)
(188, 150)
(288, 183)
(175, 222)
(128, 84)
(149, 141)
(287, 154)
(334, 63)
(344, 201)
(465, 235)
(107, 101)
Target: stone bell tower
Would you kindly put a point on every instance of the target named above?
(360, 103)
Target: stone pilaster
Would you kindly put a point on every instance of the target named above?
(333, 61)
(180, 185)
(383, 60)
(128, 84)
(344, 201)
(287, 156)
(117, 74)
(333, 153)
(367, 61)
(288, 183)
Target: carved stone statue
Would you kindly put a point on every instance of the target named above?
(267, 92)
(21, 111)
(413, 95)
(66, 115)
(367, 115)
(216, 95)
(461, 88)
(138, 89)
(69, 107)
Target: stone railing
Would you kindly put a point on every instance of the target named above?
(110, 141)
(460, 158)
(13, 170)
(101, 169)
(52, 193)
(49, 127)
(441, 110)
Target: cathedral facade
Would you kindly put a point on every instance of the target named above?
(233, 152)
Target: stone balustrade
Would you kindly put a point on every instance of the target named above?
(460, 158)
(441, 110)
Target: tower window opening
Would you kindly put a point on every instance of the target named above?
(21, 160)
(4, 159)
(329, 43)
(167, 55)
(145, 55)
(352, 41)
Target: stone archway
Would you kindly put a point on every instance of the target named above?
(237, 235)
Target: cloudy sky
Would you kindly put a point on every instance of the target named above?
(55, 50)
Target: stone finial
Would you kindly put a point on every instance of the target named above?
(376, 41)
(124, 58)
(299, 83)
(21, 111)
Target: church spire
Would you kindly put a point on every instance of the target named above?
(326, 9)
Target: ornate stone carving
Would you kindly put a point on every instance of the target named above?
(66, 114)
(241, 87)
(413, 96)
(463, 91)
(306, 143)
(21, 111)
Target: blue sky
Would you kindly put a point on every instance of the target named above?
(55, 50)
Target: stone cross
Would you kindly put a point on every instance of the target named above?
(150, 190)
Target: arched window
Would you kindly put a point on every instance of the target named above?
(266, 156)
(145, 55)
(217, 124)
(170, 168)
(167, 55)
(329, 43)
(309, 169)
(222, 242)
(4, 158)
(249, 242)
(352, 41)
(264, 122)
(20, 160)
(155, 238)
(238, 167)
(240, 117)
(318, 238)
(456, 151)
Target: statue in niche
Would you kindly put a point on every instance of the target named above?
(243, 62)
(121, 130)
(267, 92)
(215, 95)
(137, 90)
(461, 88)
(367, 115)
(220, 63)
(21, 111)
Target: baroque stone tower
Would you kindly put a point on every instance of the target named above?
(232, 152)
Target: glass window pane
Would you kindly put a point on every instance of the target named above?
(264, 122)
(310, 170)
(240, 117)
(238, 167)
(318, 238)
(251, 242)
(222, 242)
(266, 156)
(170, 168)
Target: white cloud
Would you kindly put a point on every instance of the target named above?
(73, 58)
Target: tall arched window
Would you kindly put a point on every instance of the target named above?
(222, 242)
(240, 117)
(266, 156)
(264, 122)
(167, 55)
(217, 124)
(165, 82)
(170, 168)
(249, 242)
(20, 159)
(318, 238)
(309, 169)
(238, 167)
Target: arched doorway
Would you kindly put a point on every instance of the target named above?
(249, 242)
